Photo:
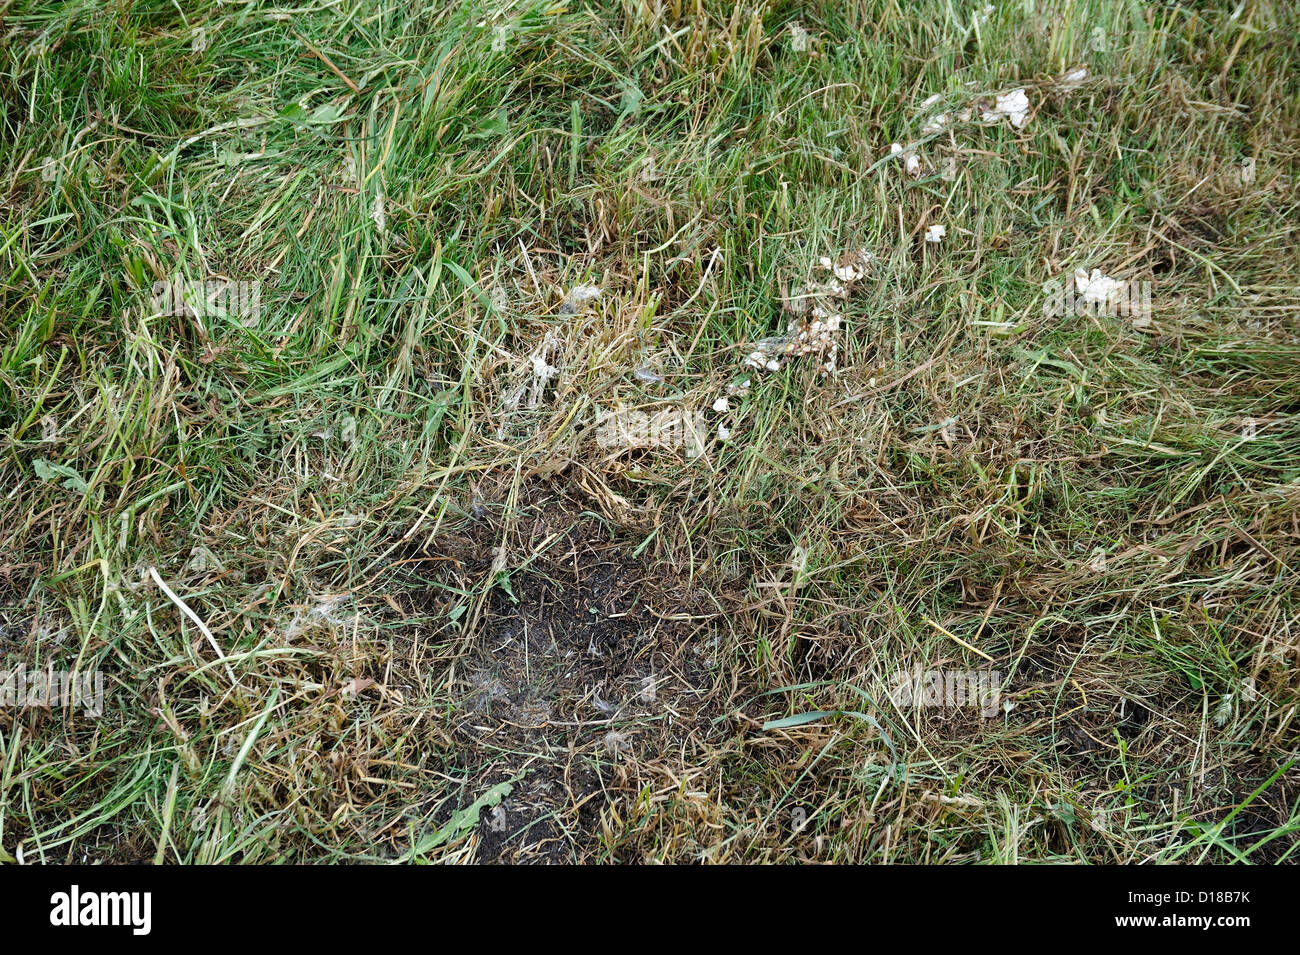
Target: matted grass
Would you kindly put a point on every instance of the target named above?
(444, 620)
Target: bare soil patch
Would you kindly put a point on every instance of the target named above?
(586, 667)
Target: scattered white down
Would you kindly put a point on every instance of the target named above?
(911, 162)
(1073, 78)
(1014, 106)
(1097, 288)
(935, 124)
(577, 296)
(528, 392)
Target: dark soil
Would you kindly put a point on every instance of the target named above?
(583, 664)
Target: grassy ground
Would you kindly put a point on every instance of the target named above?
(442, 620)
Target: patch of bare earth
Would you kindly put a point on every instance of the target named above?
(585, 678)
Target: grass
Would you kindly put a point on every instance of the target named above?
(412, 618)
